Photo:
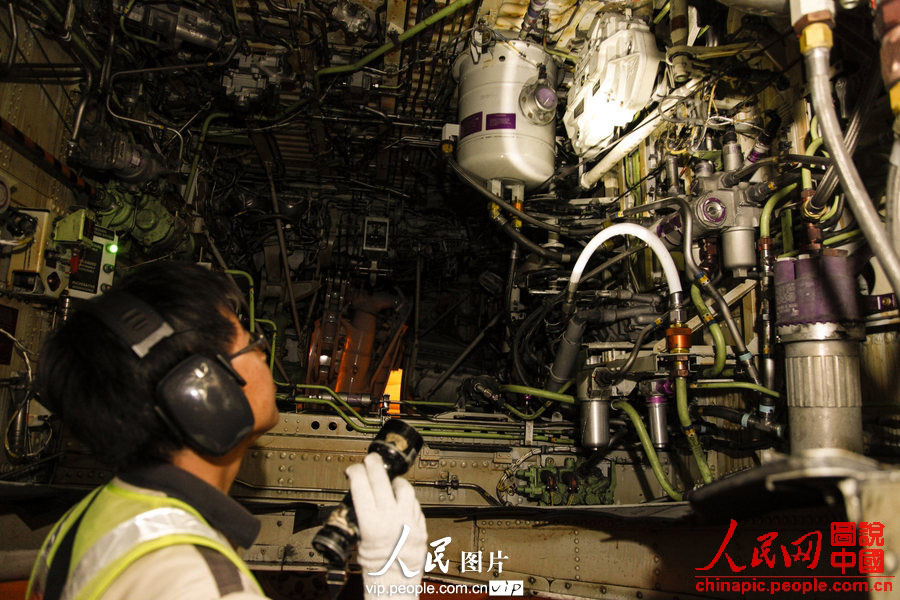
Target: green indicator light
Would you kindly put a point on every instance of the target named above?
(112, 248)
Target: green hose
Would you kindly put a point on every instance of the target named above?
(681, 400)
(196, 163)
(425, 430)
(388, 46)
(532, 416)
(841, 237)
(76, 39)
(714, 329)
(806, 172)
(538, 392)
(274, 343)
(648, 448)
(766, 218)
(250, 299)
(744, 385)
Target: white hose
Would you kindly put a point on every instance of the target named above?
(632, 229)
(640, 133)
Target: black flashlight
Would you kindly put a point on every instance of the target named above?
(397, 444)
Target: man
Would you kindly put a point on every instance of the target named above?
(160, 380)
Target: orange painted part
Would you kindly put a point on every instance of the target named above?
(392, 391)
(354, 372)
(13, 590)
(389, 361)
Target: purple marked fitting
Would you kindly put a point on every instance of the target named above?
(816, 290)
(712, 210)
(656, 400)
(668, 387)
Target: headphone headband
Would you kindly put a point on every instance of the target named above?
(134, 321)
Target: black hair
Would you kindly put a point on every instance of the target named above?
(104, 393)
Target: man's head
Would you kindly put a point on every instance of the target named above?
(107, 395)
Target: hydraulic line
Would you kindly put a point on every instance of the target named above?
(892, 194)
(649, 450)
(195, 164)
(630, 141)
(715, 331)
(520, 238)
(742, 385)
(515, 211)
(619, 374)
(630, 229)
(521, 389)
(76, 39)
(459, 360)
(42, 159)
(250, 300)
(817, 67)
(861, 112)
(765, 219)
(684, 415)
(279, 228)
(388, 46)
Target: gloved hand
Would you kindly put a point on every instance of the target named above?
(384, 510)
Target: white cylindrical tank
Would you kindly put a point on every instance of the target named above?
(497, 139)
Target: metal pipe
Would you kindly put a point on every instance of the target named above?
(283, 246)
(388, 46)
(892, 195)
(631, 140)
(82, 105)
(459, 360)
(195, 164)
(42, 159)
(817, 67)
(14, 37)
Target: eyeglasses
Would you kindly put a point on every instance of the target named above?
(257, 340)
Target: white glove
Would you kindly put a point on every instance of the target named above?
(386, 511)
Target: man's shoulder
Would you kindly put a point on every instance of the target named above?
(182, 571)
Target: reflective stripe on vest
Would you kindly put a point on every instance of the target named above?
(111, 552)
(146, 527)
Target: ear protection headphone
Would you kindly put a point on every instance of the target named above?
(200, 398)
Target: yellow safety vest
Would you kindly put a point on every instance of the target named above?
(121, 527)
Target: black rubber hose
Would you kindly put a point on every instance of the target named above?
(519, 237)
(515, 211)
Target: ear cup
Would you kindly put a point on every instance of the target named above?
(206, 404)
